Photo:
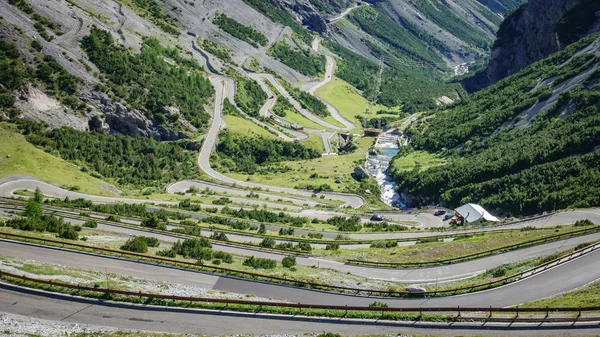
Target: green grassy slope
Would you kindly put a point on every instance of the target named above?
(20, 158)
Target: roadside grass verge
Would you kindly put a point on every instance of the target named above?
(103, 239)
(20, 158)
(498, 275)
(500, 272)
(588, 295)
(103, 294)
(430, 249)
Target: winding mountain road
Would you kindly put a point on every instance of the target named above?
(225, 88)
(206, 322)
(578, 272)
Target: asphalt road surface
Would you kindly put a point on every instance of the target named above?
(176, 320)
(576, 273)
(568, 276)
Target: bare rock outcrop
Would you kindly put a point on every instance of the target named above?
(534, 31)
(36, 105)
(119, 119)
(312, 17)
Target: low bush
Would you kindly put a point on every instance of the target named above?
(352, 224)
(219, 236)
(136, 245)
(260, 263)
(90, 224)
(288, 261)
(286, 231)
(384, 244)
(585, 222)
(315, 235)
(268, 243)
(223, 256)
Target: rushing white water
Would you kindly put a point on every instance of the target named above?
(377, 166)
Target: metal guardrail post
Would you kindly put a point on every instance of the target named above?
(458, 311)
(517, 309)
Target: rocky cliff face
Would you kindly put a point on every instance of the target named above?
(313, 14)
(534, 31)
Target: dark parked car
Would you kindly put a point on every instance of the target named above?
(439, 212)
(448, 216)
(377, 217)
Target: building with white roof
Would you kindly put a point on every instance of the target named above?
(474, 214)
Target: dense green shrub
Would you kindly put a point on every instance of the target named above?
(148, 81)
(584, 222)
(303, 246)
(288, 261)
(233, 223)
(549, 164)
(140, 244)
(343, 224)
(332, 246)
(265, 216)
(136, 245)
(286, 231)
(199, 249)
(240, 153)
(219, 236)
(33, 209)
(140, 162)
(91, 224)
(384, 244)
(249, 96)
(385, 226)
(277, 12)
(223, 256)
(240, 31)
(268, 243)
(299, 59)
(260, 263)
(215, 49)
(153, 222)
(45, 223)
(498, 271)
(170, 253)
(222, 201)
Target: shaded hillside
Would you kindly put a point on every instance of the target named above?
(534, 31)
